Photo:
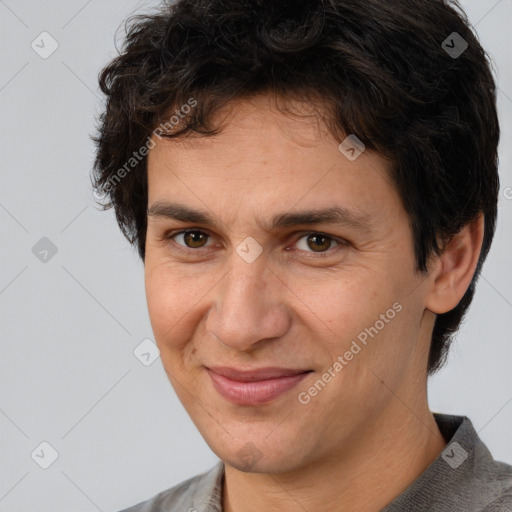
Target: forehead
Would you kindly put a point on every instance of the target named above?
(267, 156)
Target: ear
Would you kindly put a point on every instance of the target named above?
(453, 270)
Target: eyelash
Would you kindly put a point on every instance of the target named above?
(341, 242)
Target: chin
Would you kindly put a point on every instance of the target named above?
(266, 464)
(260, 455)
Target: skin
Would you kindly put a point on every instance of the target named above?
(369, 433)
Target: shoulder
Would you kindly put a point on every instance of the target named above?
(463, 478)
(192, 495)
(492, 480)
(499, 482)
(488, 481)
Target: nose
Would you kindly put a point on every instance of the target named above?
(249, 306)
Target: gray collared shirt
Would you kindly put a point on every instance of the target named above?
(463, 478)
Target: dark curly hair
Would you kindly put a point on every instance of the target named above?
(383, 69)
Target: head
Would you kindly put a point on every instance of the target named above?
(228, 126)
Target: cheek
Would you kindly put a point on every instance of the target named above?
(348, 302)
(365, 317)
(177, 302)
(168, 307)
(160, 299)
(167, 301)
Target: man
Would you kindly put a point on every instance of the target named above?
(312, 187)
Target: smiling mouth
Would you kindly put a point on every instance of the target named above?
(254, 387)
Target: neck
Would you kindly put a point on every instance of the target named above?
(379, 466)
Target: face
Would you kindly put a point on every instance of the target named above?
(277, 326)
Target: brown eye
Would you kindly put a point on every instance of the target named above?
(316, 242)
(192, 239)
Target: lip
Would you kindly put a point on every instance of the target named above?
(254, 387)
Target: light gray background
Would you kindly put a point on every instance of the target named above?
(68, 375)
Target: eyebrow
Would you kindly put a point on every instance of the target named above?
(335, 215)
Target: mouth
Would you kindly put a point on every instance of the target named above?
(254, 387)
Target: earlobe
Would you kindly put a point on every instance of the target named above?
(455, 267)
